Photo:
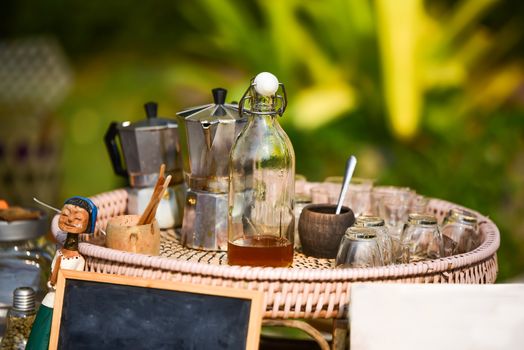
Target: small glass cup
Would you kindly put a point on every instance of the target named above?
(359, 248)
(301, 201)
(392, 204)
(460, 230)
(421, 239)
(387, 247)
(300, 184)
(324, 193)
(358, 196)
(419, 204)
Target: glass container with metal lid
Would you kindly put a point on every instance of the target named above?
(207, 134)
(22, 261)
(262, 181)
(20, 319)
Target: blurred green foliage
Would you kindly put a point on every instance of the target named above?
(427, 94)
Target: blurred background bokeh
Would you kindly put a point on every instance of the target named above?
(427, 94)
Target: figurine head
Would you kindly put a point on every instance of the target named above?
(78, 216)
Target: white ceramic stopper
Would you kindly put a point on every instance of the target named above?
(266, 84)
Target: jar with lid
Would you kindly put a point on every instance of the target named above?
(262, 180)
(460, 230)
(22, 261)
(359, 248)
(20, 318)
(421, 239)
(386, 244)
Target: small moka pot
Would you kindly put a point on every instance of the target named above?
(145, 146)
(207, 134)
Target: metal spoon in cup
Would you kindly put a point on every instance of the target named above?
(351, 163)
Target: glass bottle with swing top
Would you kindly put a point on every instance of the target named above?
(262, 181)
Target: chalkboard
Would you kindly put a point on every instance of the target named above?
(100, 311)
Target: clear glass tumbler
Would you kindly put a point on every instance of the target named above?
(460, 229)
(393, 205)
(421, 239)
(359, 248)
(358, 196)
(387, 246)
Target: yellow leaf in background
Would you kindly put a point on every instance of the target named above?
(496, 89)
(294, 46)
(465, 15)
(318, 105)
(451, 73)
(474, 48)
(398, 31)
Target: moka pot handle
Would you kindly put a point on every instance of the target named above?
(112, 149)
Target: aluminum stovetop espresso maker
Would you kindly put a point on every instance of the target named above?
(146, 145)
(207, 134)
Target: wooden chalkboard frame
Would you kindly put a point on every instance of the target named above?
(256, 298)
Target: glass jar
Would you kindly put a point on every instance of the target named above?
(22, 262)
(20, 319)
(420, 239)
(460, 230)
(262, 182)
(301, 201)
(387, 246)
(393, 205)
(359, 248)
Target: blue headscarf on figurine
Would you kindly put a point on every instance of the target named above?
(89, 206)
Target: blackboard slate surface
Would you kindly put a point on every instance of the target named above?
(97, 315)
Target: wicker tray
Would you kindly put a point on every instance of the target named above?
(310, 289)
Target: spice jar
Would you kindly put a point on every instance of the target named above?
(461, 231)
(19, 319)
(22, 261)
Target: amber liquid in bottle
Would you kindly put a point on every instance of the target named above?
(262, 182)
(260, 251)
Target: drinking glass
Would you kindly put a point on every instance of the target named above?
(460, 229)
(383, 239)
(301, 201)
(324, 193)
(392, 204)
(359, 248)
(358, 196)
(419, 204)
(300, 184)
(421, 239)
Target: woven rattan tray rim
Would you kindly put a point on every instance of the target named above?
(484, 252)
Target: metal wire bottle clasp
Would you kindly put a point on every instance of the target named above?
(248, 95)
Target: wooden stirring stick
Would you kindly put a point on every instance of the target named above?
(152, 213)
(156, 190)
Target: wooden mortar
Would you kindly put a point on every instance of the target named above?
(321, 230)
(124, 233)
